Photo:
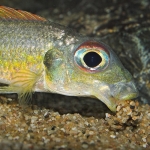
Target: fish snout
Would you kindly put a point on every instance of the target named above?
(124, 91)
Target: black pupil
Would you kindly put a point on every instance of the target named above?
(92, 59)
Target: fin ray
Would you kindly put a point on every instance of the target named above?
(23, 83)
(10, 13)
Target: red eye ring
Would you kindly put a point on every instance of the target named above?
(93, 45)
(92, 56)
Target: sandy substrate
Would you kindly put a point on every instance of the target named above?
(40, 128)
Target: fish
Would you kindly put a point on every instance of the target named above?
(38, 55)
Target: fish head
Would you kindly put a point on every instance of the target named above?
(90, 69)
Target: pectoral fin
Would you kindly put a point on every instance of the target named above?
(23, 83)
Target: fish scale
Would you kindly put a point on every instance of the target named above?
(39, 55)
(25, 40)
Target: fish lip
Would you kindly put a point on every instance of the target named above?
(124, 90)
(130, 96)
(112, 94)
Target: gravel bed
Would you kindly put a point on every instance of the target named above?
(32, 127)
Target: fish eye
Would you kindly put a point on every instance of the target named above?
(92, 57)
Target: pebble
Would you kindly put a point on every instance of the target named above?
(113, 136)
(85, 146)
(91, 132)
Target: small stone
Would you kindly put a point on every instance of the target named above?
(9, 99)
(46, 115)
(107, 115)
(144, 139)
(33, 119)
(74, 117)
(144, 145)
(132, 103)
(91, 132)
(85, 145)
(118, 107)
(113, 136)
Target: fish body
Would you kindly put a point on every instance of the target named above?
(39, 55)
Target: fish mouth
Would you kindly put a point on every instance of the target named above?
(124, 91)
(112, 94)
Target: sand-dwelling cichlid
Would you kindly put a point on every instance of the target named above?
(39, 55)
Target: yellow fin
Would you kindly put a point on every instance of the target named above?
(23, 83)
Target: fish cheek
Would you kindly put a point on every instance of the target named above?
(115, 73)
(52, 61)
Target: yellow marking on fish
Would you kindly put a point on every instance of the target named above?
(23, 83)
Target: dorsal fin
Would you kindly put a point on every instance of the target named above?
(10, 13)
